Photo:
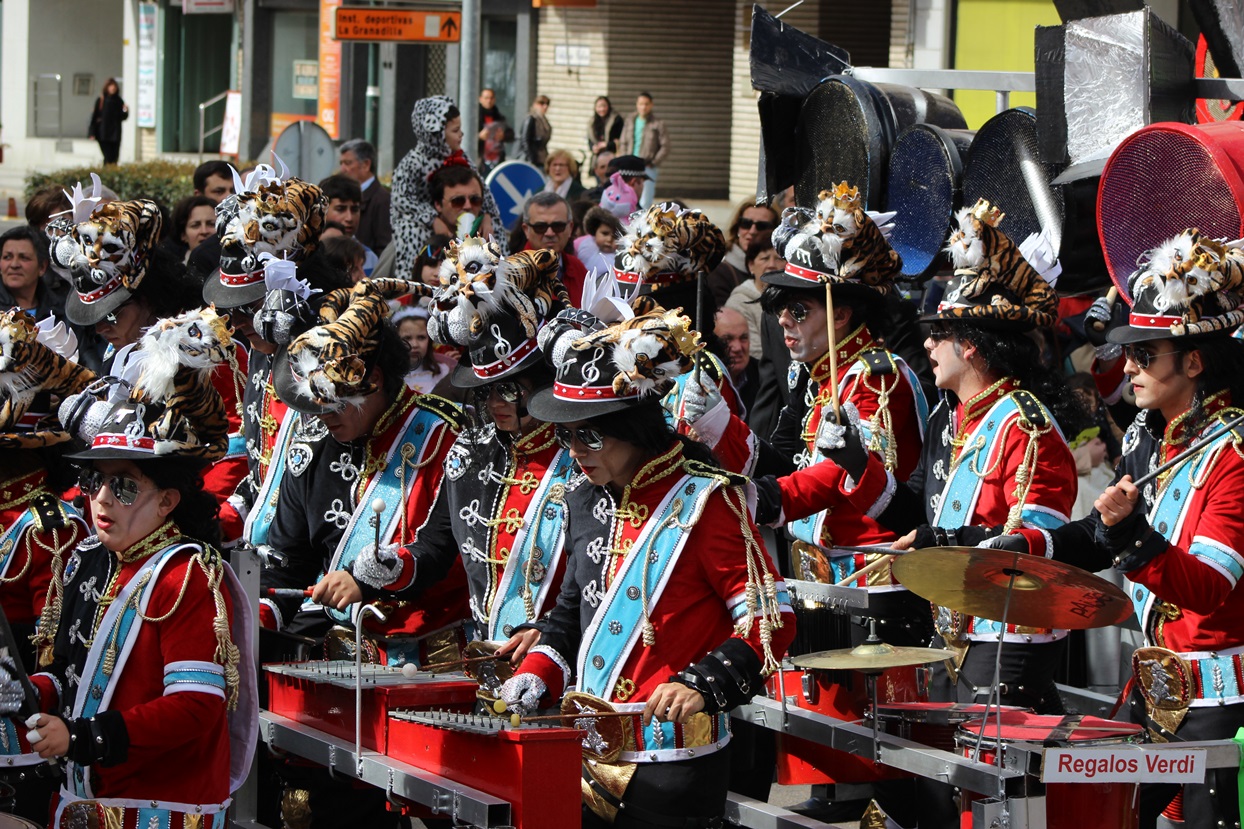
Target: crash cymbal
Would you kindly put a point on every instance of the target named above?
(869, 657)
(1047, 593)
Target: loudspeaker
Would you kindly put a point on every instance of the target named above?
(923, 189)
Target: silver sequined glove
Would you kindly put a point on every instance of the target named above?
(378, 569)
(11, 693)
(843, 443)
(522, 693)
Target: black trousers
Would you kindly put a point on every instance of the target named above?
(690, 793)
(111, 150)
(1217, 799)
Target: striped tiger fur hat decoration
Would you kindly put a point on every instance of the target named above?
(496, 311)
(1188, 286)
(995, 283)
(328, 366)
(37, 370)
(107, 256)
(173, 409)
(666, 245)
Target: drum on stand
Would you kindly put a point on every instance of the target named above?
(1066, 804)
(934, 724)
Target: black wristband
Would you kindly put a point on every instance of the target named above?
(100, 740)
(714, 697)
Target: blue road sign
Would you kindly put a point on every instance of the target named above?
(511, 184)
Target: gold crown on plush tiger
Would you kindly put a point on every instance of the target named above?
(987, 213)
(844, 195)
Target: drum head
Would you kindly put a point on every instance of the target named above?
(1022, 726)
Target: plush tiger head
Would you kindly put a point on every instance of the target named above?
(328, 366)
(665, 245)
(468, 274)
(283, 218)
(1188, 285)
(197, 340)
(112, 246)
(31, 369)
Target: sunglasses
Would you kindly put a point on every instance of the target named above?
(543, 227)
(125, 490)
(1143, 357)
(796, 309)
(762, 226)
(586, 435)
(507, 390)
(938, 332)
(459, 202)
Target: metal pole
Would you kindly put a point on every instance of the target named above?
(468, 74)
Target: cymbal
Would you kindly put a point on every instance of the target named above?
(1046, 594)
(869, 657)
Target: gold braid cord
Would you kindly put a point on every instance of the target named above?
(1023, 475)
(884, 442)
(761, 592)
(44, 637)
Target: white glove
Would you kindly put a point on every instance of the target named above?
(700, 405)
(522, 693)
(831, 435)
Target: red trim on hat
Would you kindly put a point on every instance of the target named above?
(241, 280)
(1152, 321)
(632, 278)
(101, 292)
(123, 441)
(805, 273)
(505, 363)
(584, 393)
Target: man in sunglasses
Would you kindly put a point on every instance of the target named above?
(548, 225)
(458, 192)
(499, 509)
(1178, 538)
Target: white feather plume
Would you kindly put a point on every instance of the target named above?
(282, 275)
(58, 337)
(1038, 250)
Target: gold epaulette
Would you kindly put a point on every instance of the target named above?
(877, 361)
(49, 512)
(447, 410)
(705, 470)
(1030, 409)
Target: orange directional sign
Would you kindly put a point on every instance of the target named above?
(398, 25)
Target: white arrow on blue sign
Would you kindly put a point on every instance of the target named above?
(511, 184)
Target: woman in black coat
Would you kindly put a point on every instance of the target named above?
(106, 120)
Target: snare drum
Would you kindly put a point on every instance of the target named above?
(840, 695)
(933, 723)
(1067, 805)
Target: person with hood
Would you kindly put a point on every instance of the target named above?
(437, 123)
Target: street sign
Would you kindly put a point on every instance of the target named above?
(511, 184)
(398, 25)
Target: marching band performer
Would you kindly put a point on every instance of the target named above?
(670, 608)
(151, 695)
(37, 529)
(501, 504)
(1178, 538)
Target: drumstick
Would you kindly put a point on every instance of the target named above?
(866, 570)
(1111, 297)
(1191, 450)
(833, 352)
(464, 661)
(287, 593)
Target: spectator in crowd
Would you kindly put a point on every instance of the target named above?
(194, 221)
(438, 143)
(458, 192)
(536, 132)
(332, 230)
(425, 370)
(44, 204)
(600, 172)
(428, 265)
(345, 199)
(106, 120)
(23, 262)
(760, 259)
(599, 242)
(604, 129)
(494, 131)
(214, 179)
(563, 175)
(346, 255)
(735, 336)
(358, 161)
(547, 225)
(644, 135)
(750, 222)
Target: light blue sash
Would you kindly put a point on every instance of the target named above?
(11, 539)
(541, 539)
(260, 518)
(963, 486)
(387, 486)
(1167, 517)
(616, 627)
(97, 686)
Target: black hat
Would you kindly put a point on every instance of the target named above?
(107, 255)
(1189, 286)
(630, 166)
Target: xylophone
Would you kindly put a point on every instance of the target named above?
(534, 766)
(320, 694)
